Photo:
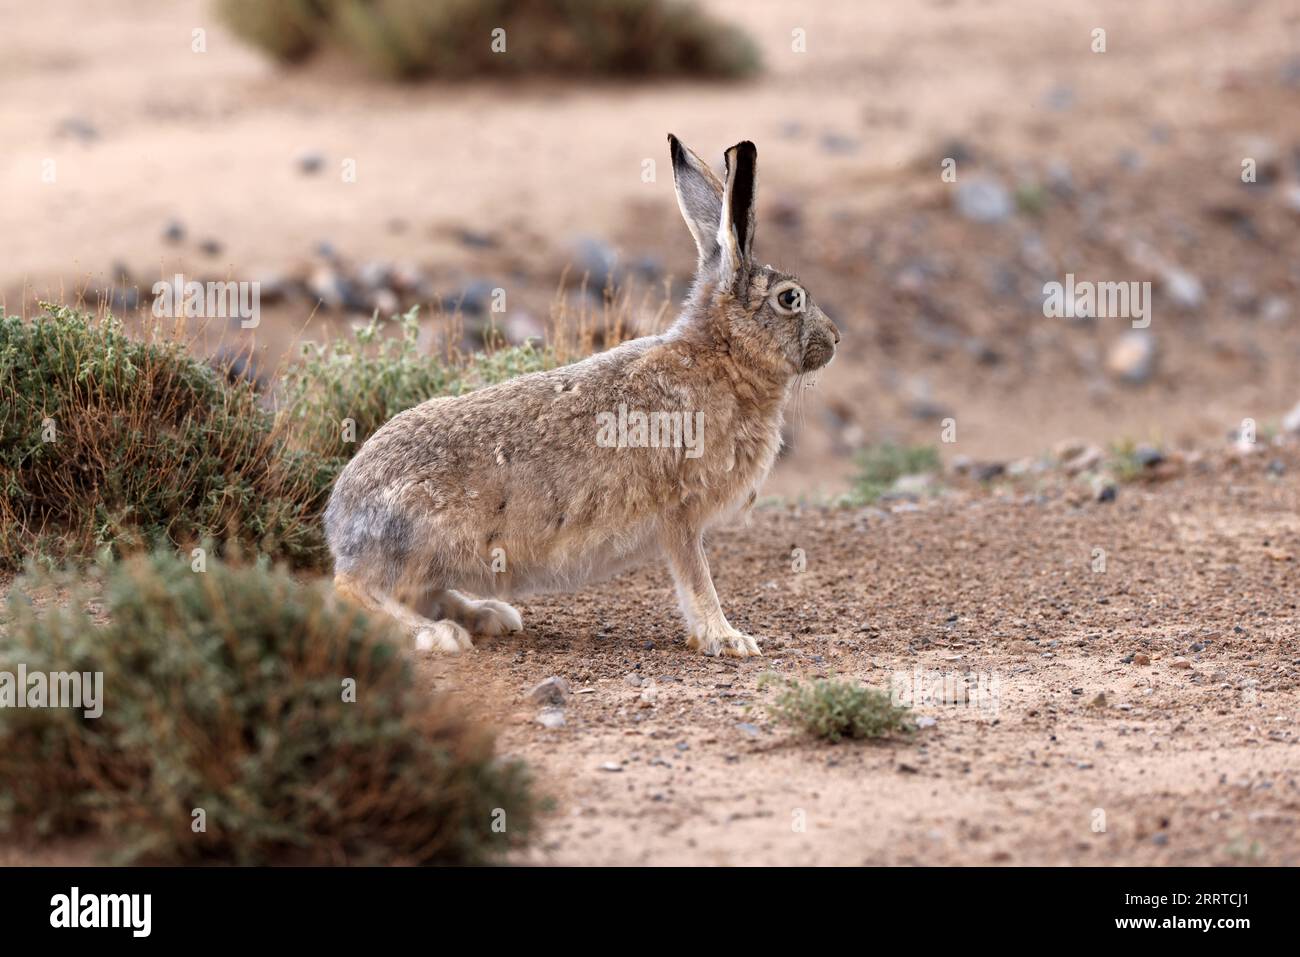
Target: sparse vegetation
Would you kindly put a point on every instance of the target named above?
(880, 466)
(1130, 461)
(370, 377)
(833, 709)
(107, 442)
(457, 38)
(230, 731)
(1124, 463)
(110, 443)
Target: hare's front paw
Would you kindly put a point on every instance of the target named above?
(723, 640)
(443, 636)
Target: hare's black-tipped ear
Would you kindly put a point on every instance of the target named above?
(736, 228)
(699, 194)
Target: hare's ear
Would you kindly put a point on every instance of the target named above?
(699, 194)
(736, 228)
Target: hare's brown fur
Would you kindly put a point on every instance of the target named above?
(508, 490)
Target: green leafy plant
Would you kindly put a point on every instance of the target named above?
(833, 709)
(371, 376)
(880, 466)
(1124, 463)
(245, 719)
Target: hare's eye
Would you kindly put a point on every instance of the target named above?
(791, 300)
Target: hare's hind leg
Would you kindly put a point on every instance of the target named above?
(487, 617)
(444, 635)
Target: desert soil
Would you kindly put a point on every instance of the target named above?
(1123, 166)
(1084, 752)
(1085, 756)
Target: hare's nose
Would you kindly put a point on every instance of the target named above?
(835, 331)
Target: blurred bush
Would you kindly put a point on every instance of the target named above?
(454, 38)
(225, 691)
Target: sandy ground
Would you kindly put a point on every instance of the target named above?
(1131, 160)
(1174, 766)
(1076, 753)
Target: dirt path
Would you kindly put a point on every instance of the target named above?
(1187, 766)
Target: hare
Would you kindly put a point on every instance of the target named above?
(560, 478)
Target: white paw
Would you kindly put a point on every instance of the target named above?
(496, 618)
(723, 640)
(444, 636)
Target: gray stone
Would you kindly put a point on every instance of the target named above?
(1148, 456)
(1132, 357)
(1184, 289)
(475, 239)
(1291, 421)
(839, 143)
(597, 260)
(310, 162)
(1059, 98)
(1104, 489)
(984, 199)
(550, 718)
(1275, 310)
(912, 486)
(553, 691)
(78, 127)
(374, 274)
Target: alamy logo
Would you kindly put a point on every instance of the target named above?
(919, 689)
(208, 300)
(634, 429)
(1098, 300)
(134, 911)
(54, 689)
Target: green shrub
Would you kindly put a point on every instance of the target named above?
(223, 690)
(880, 466)
(834, 709)
(370, 377)
(453, 38)
(108, 442)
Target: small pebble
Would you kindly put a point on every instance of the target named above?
(551, 718)
(553, 691)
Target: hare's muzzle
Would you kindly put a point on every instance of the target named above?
(822, 339)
